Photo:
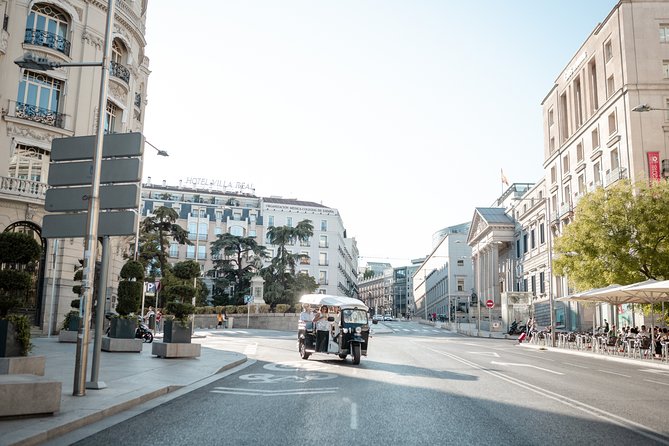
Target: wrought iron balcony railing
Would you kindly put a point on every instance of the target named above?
(23, 188)
(38, 114)
(138, 100)
(47, 39)
(119, 71)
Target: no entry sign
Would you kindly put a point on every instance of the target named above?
(489, 303)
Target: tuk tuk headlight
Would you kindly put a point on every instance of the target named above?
(358, 330)
(345, 330)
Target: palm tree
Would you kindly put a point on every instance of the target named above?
(158, 231)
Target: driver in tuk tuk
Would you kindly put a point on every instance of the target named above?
(307, 315)
(322, 329)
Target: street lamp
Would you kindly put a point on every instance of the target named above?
(647, 108)
(91, 240)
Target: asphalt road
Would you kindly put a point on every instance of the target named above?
(417, 386)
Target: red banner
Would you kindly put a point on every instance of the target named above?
(654, 172)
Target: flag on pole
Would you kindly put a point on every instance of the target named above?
(505, 180)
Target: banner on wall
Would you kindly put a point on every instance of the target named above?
(654, 171)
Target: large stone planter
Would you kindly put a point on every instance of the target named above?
(122, 328)
(177, 333)
(9, 344)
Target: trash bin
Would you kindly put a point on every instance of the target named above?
(228, 322)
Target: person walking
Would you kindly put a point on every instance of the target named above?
(219, 318)
(322, 329)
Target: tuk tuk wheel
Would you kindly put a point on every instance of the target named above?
(356, 353)
(303, 351)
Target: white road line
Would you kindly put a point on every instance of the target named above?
(493, 354)
(656, 382)
(576, 365)
(354, 416)
(526, 365)
(588, 409)
(260, 392)
(614, 373)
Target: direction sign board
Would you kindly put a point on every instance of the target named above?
(69, 199)
(83, 147)
(74, 225)
(122, 170)
(489, 303)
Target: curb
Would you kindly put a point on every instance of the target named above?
(639, 362)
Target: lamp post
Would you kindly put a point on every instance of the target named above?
(91, 240)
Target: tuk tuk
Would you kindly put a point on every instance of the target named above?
(348, 332)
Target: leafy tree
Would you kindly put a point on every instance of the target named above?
(238, 258)
(178, 289)
(19, 253)
(619, 235)
(156, 234)
(368, 274)
(282, 285)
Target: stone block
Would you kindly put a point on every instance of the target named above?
(68, 336)
(122, 345)
(175, 350)
(28, 395)
(23, 365)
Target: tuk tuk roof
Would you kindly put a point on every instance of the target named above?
(333, 301)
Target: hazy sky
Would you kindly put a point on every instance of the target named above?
(400, 114)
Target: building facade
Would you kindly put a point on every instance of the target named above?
(37, 107)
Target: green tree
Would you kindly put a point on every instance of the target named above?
(237, 259)
(282, 286)
(178, 289)
(619, 235)
(157, 232)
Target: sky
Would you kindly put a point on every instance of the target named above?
(401, 114)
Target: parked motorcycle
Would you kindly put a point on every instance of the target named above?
(143, 332)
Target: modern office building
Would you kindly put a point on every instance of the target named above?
(37, 107)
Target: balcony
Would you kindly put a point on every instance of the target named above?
(23, 188)
(138, 100)
(619, 173)
(38, 114)
(47, 39)
(119, 71)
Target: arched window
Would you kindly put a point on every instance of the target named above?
(118, 58)
(38, 99)
(112, 115)
(48, 26)
(28, 163)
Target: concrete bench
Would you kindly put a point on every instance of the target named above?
(28, 395)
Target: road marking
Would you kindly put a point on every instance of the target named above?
(661, 372)
(251, 349)
(291, 366)
(576, 365)
(656, 382)
(588, 409)
(526, 365)
(262, 392)
(614, 373)
(268, 378)
(493, 354)
(354, 416)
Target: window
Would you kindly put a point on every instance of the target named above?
(252, 232)
(595, 138)
(38, 99)
(581, 184)
(218, 231)
(324, 225)
(612, 123)
(579, 152)
(551, 144)
(461, 262)
(615, 159)
(597, 173)
(553, 175)
(664, 33)
(323, 241)
(201, 252)
(112, 113)
(665, 69)
(532, 239)
(524, 284)
(533, 279)
(117, 67)
(461, 285)
(304, 258)
(594, 100)
(608, 51)
(551, 119)
(270, 221)
(567, 194)
(236, 231)
(174, 250)
(564, 117)
(323, 258)
(578, 102)
(252, 219)
(237, 216)
(542, 233)
(542, 280)
(28, 163)
(219, 215)
(47, 26)
(322, 277)
(289, 222)
(518, 248)
(525, 246)
(565, 164)
(610, 86)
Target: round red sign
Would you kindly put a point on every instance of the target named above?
(489, 303)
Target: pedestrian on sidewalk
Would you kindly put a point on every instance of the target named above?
(159, 318)
(219, 317)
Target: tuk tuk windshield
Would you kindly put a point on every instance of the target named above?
(354, 316)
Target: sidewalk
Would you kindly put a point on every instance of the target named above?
(131, 379)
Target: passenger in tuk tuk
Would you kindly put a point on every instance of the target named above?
(322, 329)
(307, 315)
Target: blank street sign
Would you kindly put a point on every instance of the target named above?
(124, 170)
(74, 225)
(83, 147)
(120, 196)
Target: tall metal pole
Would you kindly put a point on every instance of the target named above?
(94, 383)
(91, 241)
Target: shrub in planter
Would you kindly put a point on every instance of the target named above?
(18, 254)
(128, 302)
(71, 321)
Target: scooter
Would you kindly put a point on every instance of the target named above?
(143, 332)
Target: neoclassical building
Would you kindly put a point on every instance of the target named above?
(37, 107)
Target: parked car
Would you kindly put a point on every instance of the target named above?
(376, 318)
(388, 317)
